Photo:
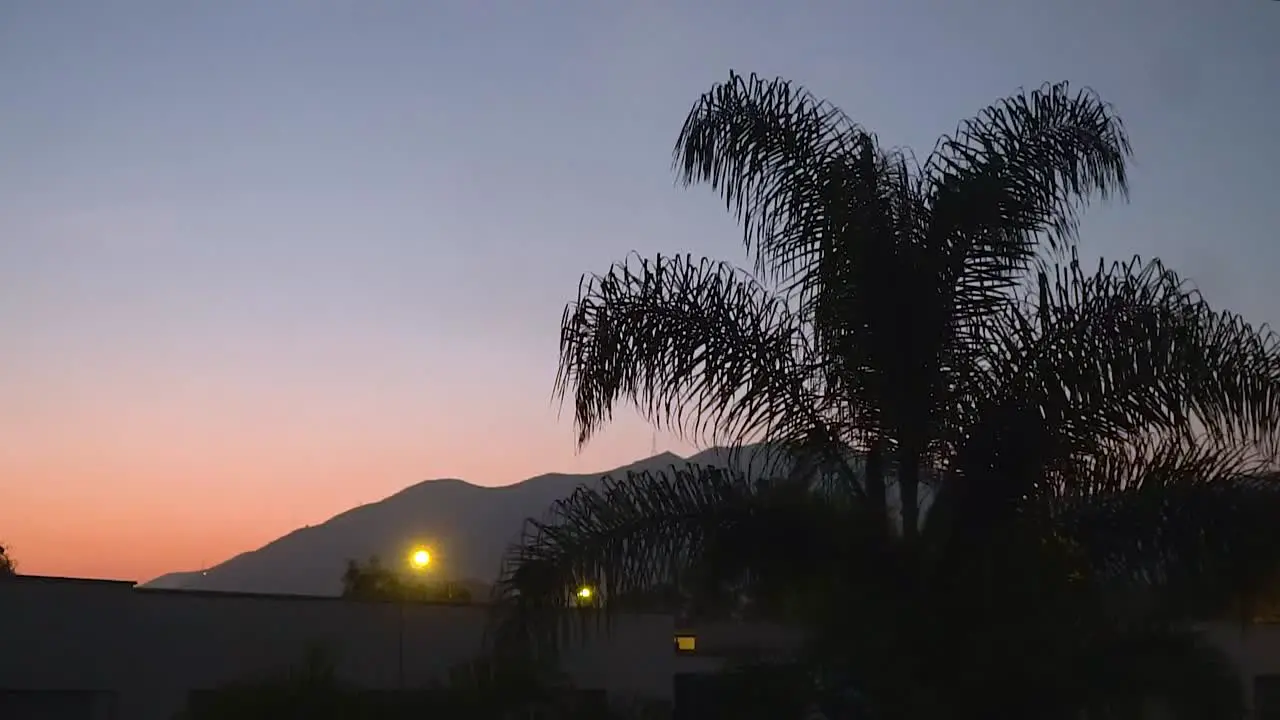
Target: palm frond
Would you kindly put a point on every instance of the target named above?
(1185, 527)
(698, 346)
(1011, 177)
(783, 160)
(1024, 166)
(1100, 359)
(701, 530)
(648, 529)
(1137, 348)
(821, 207)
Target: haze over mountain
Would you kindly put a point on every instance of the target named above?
(467, 527)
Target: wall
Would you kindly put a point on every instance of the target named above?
(152, 647)
(1254, 648)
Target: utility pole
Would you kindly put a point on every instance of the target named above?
(400, 640)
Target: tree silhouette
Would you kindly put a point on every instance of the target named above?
(373, 581)
(994, 481)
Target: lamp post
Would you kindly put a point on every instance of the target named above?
(419, 560)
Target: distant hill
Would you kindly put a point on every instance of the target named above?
(468, 528)
(173, 581)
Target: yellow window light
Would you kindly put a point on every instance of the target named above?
(686, 643)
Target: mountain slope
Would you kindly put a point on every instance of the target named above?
(467, 528)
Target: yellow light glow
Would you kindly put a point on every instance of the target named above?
(420, 559)
(584, 593)
(686, 643)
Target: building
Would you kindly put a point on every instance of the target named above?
(1254, 648)
(100, 650)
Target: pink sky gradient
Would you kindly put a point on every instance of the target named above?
(113, 488)
(264, 261)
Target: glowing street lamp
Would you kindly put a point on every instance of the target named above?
(420, 559)
(585, 593)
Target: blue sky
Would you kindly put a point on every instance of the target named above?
(285, 236)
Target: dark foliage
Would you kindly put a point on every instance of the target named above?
(1005, 477)
(477, 690)
(373, 581)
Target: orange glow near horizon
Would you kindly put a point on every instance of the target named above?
(152, 487)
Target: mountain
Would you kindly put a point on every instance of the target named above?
(173, 581)
(467, 528)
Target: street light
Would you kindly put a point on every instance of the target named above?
(584, 593)
(419, 560)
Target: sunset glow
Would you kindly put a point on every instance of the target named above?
(262, 263)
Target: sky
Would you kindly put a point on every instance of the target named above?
(264, 261)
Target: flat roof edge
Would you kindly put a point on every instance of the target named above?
(57, 579)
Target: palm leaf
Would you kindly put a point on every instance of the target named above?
(707, 531)
(648, 529)
(819, 203)
(784, 162)
(1188, 528)
(1103, 360)
(699, 346)
(1022, 167)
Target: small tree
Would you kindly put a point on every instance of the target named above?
(8, 567)
(373, 581)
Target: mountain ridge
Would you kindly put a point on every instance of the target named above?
(468, 528)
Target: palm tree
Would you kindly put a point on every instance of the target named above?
(1093, 444)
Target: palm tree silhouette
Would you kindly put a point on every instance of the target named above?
(995, 481)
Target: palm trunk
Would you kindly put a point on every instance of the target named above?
(874, 483)
(909, 492)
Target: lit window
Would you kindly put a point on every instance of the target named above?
(686, 643)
